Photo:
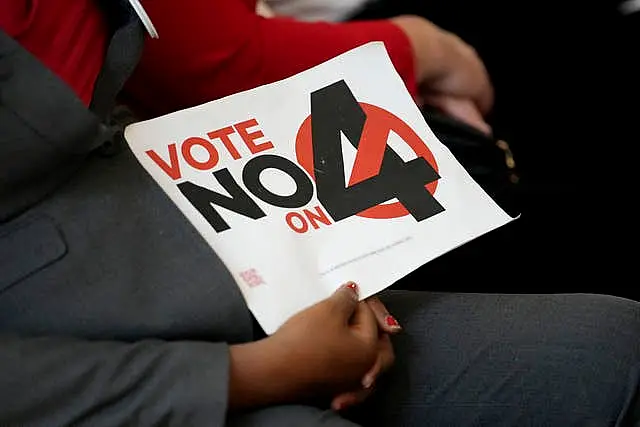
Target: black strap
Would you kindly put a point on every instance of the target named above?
(46, 131)
(122, 57)
(123, 54)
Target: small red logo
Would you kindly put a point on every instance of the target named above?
(251, 278)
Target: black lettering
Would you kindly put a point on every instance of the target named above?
(334, 109)
(251, 179)
(203, 200)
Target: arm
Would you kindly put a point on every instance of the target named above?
(210, 49)
(323, 350)
(61, 381)
(57, 381)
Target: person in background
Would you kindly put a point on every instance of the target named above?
(313, 10)
(553, 64)
(114, 311)
(435, 65)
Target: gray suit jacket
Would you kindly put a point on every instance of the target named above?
(113, 310)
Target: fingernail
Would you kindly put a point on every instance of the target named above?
(391, 321)
(337, 406)
(367, 381)
(353, 287)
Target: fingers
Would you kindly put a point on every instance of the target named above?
(386, 358)
(384, 361)
(485, 100)
(345, 300)
(386, 321)
(479, 85)
(462, 109)
(351, 398)
(486, 97)
(365, 323)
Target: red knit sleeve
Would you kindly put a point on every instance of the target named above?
(210, 49)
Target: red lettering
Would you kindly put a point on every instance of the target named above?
(223, 135)
(172, 169)
(319, 215)
(303, 226)
(250, 137)
(213, 153)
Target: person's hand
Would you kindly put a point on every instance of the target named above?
(322, 351)
(336, 340)
(447, 67)
(387, 325)
(462, 109)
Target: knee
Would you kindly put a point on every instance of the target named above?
(608, 310)
(614, 317)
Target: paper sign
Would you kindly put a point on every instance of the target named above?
(329, 176)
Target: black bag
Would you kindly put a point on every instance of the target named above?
(486, 264)
(488, 160)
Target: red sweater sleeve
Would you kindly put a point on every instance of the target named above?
(68, 36)
(209, 49)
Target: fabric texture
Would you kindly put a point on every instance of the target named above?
(62, 34)
(511, 360)
(62, 382)
(498, 360)
(190, 64)
(220, 48)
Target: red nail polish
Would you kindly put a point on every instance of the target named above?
(353, 287)
(391, 321)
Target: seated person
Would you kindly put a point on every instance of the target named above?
(114, 311)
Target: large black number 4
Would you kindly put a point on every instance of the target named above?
(334, 109)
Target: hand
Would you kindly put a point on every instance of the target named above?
(446, 65)
(322, 351)
(336, 340)
(387, 325)
(460, 108)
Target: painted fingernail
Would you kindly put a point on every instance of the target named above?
(367, 381)
(391, 321)
(353, 287)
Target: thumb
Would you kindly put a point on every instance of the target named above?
(345, 300)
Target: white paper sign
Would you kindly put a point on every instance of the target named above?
(273, 181)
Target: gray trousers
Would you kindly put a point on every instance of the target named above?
(497, 360)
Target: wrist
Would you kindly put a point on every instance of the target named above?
(429, 44)
(261, 374)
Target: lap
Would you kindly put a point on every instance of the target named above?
(497, 360)
(469, 359)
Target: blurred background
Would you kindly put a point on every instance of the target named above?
(566, 77)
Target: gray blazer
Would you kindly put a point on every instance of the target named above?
(113, 310)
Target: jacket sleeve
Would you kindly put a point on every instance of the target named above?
(59, 382)
(210, 49)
